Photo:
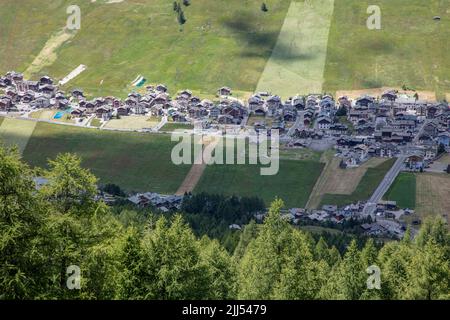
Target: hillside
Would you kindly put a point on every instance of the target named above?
(295, 47)
(223, 42)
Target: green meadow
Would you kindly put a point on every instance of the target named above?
(136, 162)
(403, 190)
(293, 183)
(223, 43)
(410, 49)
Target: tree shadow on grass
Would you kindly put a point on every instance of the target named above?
(258, 43)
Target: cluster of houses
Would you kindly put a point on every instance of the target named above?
(20, 94)
(387, 217)
(163, 203)
(382, 127)
(364, 127)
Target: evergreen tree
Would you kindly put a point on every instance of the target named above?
(23, 249)
(71, 188)
(301, 277)
(429, 273)
(248, 234)
(81, 231)
(132, 265)
(220, 270)
(321, 250)
(261, 266)
(264, 7)
(369, 253)
(174, 267)
(347, 280)
(181, 18)
(394, 259)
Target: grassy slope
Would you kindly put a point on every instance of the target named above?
(410, 48)
(298, 60)
(135, 161)
(293, 183)
(365, 188)
(16, 132)
(403, 190)
(223, 42)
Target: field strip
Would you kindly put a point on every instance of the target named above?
(298, 60)
(16, 132)
(432, 191)
(316, 194)
(48, 55)
(196, 171)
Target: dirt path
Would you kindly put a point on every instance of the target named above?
(196, 172)
(48, 55)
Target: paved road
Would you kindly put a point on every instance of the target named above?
(161, 124)
(384, 186)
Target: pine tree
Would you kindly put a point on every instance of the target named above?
(220, 270)
(174, 268)
(264, 7)
(247, 235)
(429, 273)
(394, 259)
(369, 253)
(23, 234)
(260, 268)
(301, 277)
(321, 250)
(81, 231)
(132, 278)
(181, 18)
(348, 279)
(71, 188)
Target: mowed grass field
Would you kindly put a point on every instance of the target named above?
(432, 194)
(427, 193)
(369, 182)
(136, 162)
(14, 132)
(411, 48)
(298, 60)
(403, 190)
(293, 183)
(223, 43)
(133, 122)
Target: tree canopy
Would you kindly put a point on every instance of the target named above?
(43, 232)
